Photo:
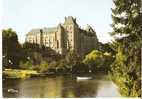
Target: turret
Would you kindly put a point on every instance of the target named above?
(70, 20)
(60, 27)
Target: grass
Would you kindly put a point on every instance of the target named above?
(18, 73)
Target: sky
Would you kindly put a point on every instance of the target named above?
(24, 15)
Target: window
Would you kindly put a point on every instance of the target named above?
(70, 27)
(57, 43)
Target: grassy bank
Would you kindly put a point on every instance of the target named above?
(19, 73)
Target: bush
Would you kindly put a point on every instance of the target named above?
(43, 66)
(26, 65)
(97, 60)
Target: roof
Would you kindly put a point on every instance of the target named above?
(33, 31)
(47, 30)
(87, 33)
(50, 30)
(89, 29)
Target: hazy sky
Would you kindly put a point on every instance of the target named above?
(23, 15)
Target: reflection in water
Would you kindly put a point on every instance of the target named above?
(86, 89)
(61, 86)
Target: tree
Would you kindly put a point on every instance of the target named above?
(11, 48)
(72, 59)
(106, 47)
(38, 53)
(43, 66)
(127, 30)
(98, 61)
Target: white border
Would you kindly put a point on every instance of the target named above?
(40, 98)
(1, 48)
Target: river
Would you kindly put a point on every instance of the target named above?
(60, 86)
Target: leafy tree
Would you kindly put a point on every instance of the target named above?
(106, 47)
(38, 53)
(26, 65)
(97, 60)
(11, 48)
(53, 65)
(127, 30)
(72, 59)
(43, 66)
(62, 64)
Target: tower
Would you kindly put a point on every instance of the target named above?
(70, 27)
(60, 39)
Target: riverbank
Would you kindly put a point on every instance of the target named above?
(19, 73)
(24, 74)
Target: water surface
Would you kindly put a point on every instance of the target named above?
(61, 86)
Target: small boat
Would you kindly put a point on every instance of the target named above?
(83, 78)
(12, 91)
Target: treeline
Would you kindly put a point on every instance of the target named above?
(10, 49)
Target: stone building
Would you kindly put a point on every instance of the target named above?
(64, 37)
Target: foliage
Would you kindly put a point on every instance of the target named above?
(69, 63)
(127, 22)
(127, 15)
(26, 55)
(97, 60)
(43, 66)
(72, 59)
(106, 47)
(38, 53)
(53, 64)
(62, 64)
(26, 65)
(11, 48)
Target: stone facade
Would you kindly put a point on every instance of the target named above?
(64, 37)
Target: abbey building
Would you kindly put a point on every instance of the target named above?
(64, 37)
